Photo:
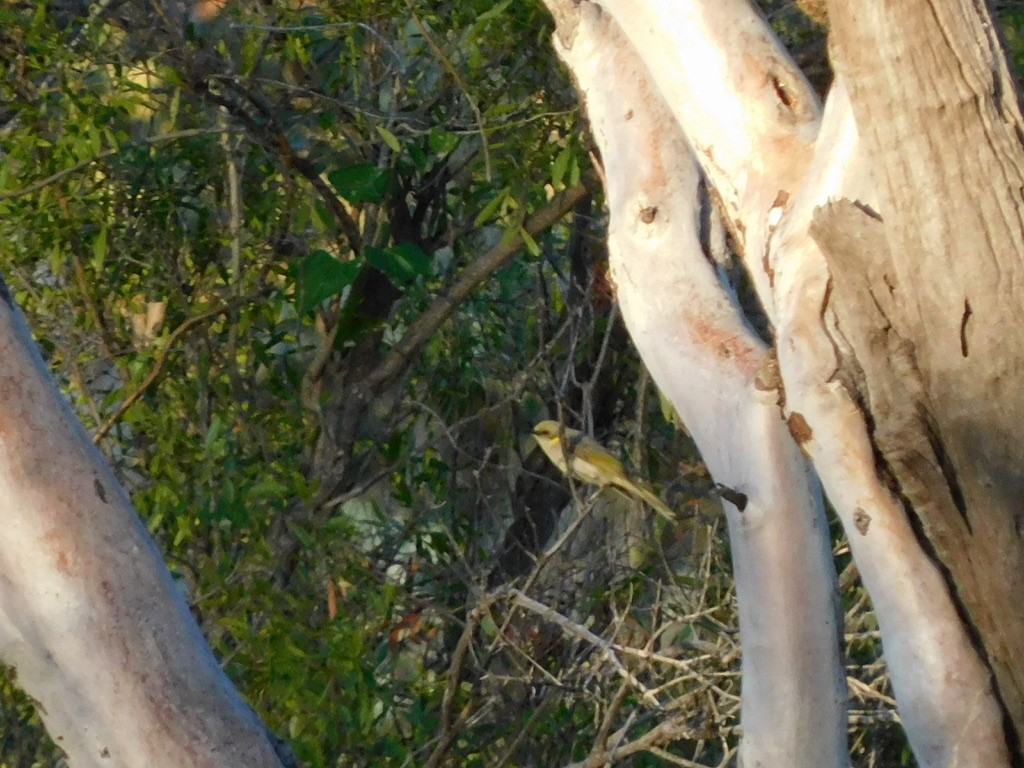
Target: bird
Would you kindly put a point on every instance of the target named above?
(592, 464)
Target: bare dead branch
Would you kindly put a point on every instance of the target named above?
(608, 650)
(661, 734)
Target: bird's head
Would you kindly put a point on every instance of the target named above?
(547, 430)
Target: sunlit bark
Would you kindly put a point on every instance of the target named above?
(941, 685)
(885, 242)
(941, 129)
(919, 474)
(706, 359)
(90, 619)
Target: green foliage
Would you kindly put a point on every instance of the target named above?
(322, 277)
(337, 602)
(401, 263)
(1011, 17)
(141, 278)
(362, 183)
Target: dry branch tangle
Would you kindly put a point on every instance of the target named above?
(754, 126)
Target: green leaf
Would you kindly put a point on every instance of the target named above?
(529, 242)
(488, 627)
(442, 142)
(99, 250)
(401, 263)
(213, 433)
(491, 209)
(419, 158)
(493, 12)
(363, 183)
(95, 142)
(250, 54)
(390, 139)
(560, 166)
(668, 411)
(324, 276)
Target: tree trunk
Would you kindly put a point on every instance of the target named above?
(941, 128)
(90, 618)
(890, 307)
(710, 363)
(884, 240)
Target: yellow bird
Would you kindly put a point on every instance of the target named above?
(592, 464)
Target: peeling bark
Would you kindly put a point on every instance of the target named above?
(942, 687)
(880, 382)
(895, 368)
(941, 127)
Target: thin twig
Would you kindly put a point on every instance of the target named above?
(454, 73)
(536, 715)
(663, 733)
(96, 10)
(159, 139)
(579, 631)
(609, 717)
(234, 184)
(274, 139)
(448, 731)
(445, 305)
(162, 359)
(321, 28)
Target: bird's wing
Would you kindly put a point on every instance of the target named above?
(607, 465)
(590, 462)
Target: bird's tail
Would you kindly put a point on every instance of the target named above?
(649, 497)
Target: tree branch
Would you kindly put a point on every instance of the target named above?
(162, 359)
(158, 139)
(401, 355)
(608, 650)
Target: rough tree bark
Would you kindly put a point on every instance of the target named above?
(884, 243)
(941, 129)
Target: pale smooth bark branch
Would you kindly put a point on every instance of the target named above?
(761, 161)
(748, 113)
(706, 359)
(90, 619)
(942, 688)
